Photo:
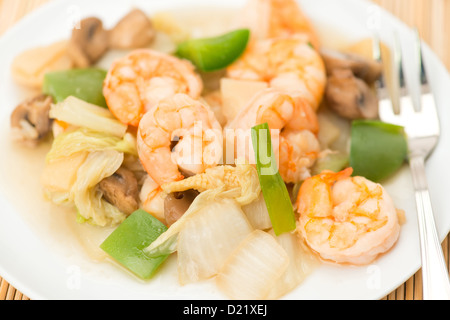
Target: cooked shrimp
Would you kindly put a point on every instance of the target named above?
(294, 127)
(298, 153)
(188, 123)
(346, 219)
(152, 200)
(277, 18)
(284, 63)
(138, 81)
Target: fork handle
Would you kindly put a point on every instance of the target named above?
(436, 285)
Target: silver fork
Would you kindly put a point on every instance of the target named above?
(421, 123)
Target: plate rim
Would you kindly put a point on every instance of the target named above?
(22, 287)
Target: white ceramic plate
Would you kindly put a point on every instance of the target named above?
(39, 254)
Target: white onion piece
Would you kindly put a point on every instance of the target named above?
(257, 214)
(302, 262)
(208, 239)
(254, 268)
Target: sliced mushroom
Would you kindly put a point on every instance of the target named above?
(350, 97)
(365, 69)
(177, 203)
(30, 120)
(134, 31)
(121, 190)
(88, 43)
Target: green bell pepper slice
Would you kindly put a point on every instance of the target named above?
(335, 161)
(126, 244)
(273, 188)
(377, 149)
(212, 54)
(85, 84)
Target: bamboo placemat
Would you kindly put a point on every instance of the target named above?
(429, 16)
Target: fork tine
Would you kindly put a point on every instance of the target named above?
(400, 83)
(384, 94)
(426, 105)
(380, 84)
(398, 55)
(423, 73)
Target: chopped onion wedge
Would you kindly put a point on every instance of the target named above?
(302, 262)
(208, 239)
(253, 268)
(257, 214)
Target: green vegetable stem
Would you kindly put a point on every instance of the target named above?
(212, 54)
(127, 242)
(377, 149)
(85, 84)
(273, 188)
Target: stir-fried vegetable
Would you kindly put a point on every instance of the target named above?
(127, 242)
(378, 149)
(167, 242)
(84, 139)
(302, 262)
(77, 162)
(82, 114)
(59, 176)
(273, 187)
(211, 54)
(85, 84)
(257, 214)
(241, 181)
(73, 181)
(91, 205)
(333, 161)
(253, 268)
(208, 238)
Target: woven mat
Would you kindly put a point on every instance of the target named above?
(428, 16)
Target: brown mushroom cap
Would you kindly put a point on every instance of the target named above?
(350, 97)
(30, 120)
(365, 69)
(88, 43)
(177, 203)
(134, 31)
(121, 190)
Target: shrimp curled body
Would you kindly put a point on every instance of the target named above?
(152, 200)
(277, 18)
(188, 123)
(284, 63)
(346, 219)
(294, 127)
(138, 81)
